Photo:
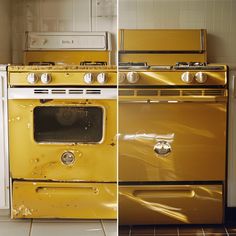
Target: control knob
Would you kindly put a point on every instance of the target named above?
(32, 78)
(46, 78)
(101, 78)
(187, 77)
(201, 77)
(121, 77)
(88, 78)
(133, 77)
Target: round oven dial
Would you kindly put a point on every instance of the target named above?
(88, 78)
(121, 77)
(133, 77)
(32, 78)
(101, 78)
(187, 77)
(201, 77)
(46, 78)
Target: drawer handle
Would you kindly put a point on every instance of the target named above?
(162, 148)
(168, 193)
(67, 190)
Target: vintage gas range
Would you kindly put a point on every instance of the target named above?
(62, 141)
(172, 130)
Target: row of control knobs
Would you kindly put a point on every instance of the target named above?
(46, 78)
(187, 77)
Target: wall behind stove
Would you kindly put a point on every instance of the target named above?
(217, 16)
(5, 35)
(61, 15)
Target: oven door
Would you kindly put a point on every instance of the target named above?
(63, 139)
(167, 138)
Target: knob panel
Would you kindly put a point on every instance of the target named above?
(132, 77)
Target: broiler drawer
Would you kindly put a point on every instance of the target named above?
(64, 200)
(170, 204)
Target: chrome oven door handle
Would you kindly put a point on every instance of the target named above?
(162, 148)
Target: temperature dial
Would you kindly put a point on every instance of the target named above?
(101, 78)
(121, 77)
(201, 77)
(187, 77)
(133, 77)
(88, 78)
(32, 78)
(46, 78)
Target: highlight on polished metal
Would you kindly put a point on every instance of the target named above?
(68, 158)
(162, 148)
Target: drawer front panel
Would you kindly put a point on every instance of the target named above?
(171, 204)
(64, 200)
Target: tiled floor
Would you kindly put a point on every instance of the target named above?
(57, 227)
(194, 230)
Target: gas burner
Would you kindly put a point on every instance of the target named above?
(189, 64)
(133, 65)
(38, 63)
(93, 63)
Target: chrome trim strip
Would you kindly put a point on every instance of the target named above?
(49, 93)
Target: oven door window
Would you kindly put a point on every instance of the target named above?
(68, 124)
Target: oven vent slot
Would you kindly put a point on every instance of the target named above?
(126, 92)
(147, 93)
(192, 92)
(58, 91)
(214, 92)
(76, 91)
(40, 91)
(169, 92)
(89, 91)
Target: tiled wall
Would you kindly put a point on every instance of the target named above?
(61, 15)
(5, 35)
(217, 16)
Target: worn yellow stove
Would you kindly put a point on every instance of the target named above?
(62, 129)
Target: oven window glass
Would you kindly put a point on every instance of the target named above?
(68, 124)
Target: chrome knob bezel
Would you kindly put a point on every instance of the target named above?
(187, 77)
(32, 78)
(132, 77)
(121, 77)
(102, 78)
(201, 77)
(46, 78)
(88, 78)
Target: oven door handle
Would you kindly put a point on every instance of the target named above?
(202, 99)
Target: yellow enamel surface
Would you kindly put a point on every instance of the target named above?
(37, 161)
(64, 200)
(162, 39)
(170, 204)
(65, 57)
(196, 133)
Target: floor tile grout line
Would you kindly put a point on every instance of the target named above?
(129, 230)
(178, 231)
(226, 231)
(31, 225)
(103, 228)
(203, 232)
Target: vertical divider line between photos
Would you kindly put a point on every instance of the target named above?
(117, 113)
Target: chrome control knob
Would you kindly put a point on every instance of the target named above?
(46, 78)
(101, 78)
(121, 78)
(187, 77)
(88, 78)
(133, 77)
(32, 78)
(201, 77)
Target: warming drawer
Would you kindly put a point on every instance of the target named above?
(170, 204)
(64, 200)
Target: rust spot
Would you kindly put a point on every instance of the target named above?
(112, 144)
